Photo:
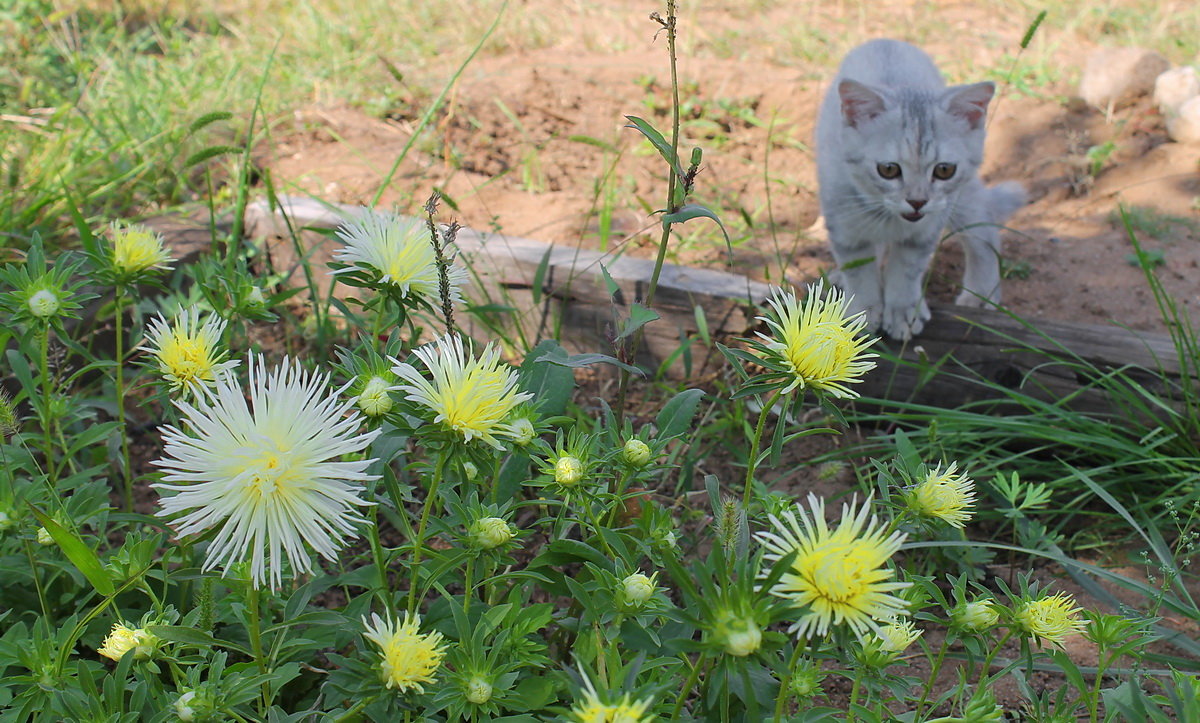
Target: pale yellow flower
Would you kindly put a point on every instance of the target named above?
(840, 575)
(1050, 618)
(399, 249)
(471, 397)
(944, 495)
(265, 473)
(593, 710)
(897, 635)
(188, 351)
(122, 640)
(136, 248)
(409, 657)
(817, 342)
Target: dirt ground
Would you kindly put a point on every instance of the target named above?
(531, 143)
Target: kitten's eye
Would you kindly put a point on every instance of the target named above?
(944, 171)
(888, 170)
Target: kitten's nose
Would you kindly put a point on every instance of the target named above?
(917, 203)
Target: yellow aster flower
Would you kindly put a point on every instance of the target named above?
(897, 635)
(816, 342)
(122, 639)
(1051, 618)
(472, 397)
(264, 473)
(839, 575)
(136, 248)
(592, 710)
(188, 350)
(399, 249)
(944, 495)
(409, 658)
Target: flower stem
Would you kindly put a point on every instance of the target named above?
(687, 686)
(786, 684)
(256, 646)
(45, 409)
(119, 383)
(419, 540)
(468, 593)
(986, 672)
(752, 462)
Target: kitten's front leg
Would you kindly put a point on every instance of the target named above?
(904, 309)
(858, 277)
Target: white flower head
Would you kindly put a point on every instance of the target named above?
(266, 473)
(399, 249)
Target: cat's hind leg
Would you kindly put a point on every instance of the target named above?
(976, 222)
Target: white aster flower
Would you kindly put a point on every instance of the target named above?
(398, 248)
(188, 350)
(265, 473)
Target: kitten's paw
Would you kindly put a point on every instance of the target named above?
(903, 323)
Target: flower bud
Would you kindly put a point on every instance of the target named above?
(741, 635)
(568, 470)
(44, 304)
(479, 691)
(636, 453)
(122, 640)
(255, 299)
(975, 616)
(637, 589)
(523, 431)
(43, 536)
(488, 533)
(375, 399)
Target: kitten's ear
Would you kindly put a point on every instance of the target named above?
(859, 103)
(970, 102)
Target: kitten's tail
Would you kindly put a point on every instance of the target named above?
(1004, 199)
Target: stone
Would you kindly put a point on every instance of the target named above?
(1184, 126)
(1117, 76)
(1174, 88)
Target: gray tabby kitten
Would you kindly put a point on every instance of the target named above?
(897, 160)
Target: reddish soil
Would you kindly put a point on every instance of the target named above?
(531, 143)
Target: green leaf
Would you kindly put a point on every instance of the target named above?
(192, 636)
(639, 316)
(539, 277)
(83, 557)
(695, 210)
(547, 376)
(609, 284)
(660, 144)
(676, 415)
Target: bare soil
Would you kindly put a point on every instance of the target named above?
(532, 143)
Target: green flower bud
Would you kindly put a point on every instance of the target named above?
(375, 400)
(479, 691)
(44, 304)
(523, 431)
(975, 616)
(637, 589)
(568, 471)
(636, 453)
(488, 533)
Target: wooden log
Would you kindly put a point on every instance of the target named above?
(573, 304)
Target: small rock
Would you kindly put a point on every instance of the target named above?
(1174, 88)
(1184, 127)
(1115, 76)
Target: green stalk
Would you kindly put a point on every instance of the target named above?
(690, 683)
(986, 673)
(752, 462)
(45, 410)
(673, 180)
(256, 646)
(419, 540)
(119, 382)
(377, 554)
(786, 683)
(467, 581)
(37, 580)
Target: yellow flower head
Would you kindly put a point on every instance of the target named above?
(409, 658)
(592, 710)
(399, 249)
(897, 635)
(188, 350)
(815, 340)
(472, 397)
(838, 575)
(1051, 618)
(944, 495)
(267, 473)
(136, 249)
(121, 640)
